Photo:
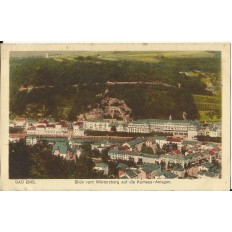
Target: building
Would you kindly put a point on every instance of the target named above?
(181, 128)
(121, 167)
(66, 150)
(206, 166)
(181, 159)
(178, 171)
(212, 130)
(102, 167)
(62, 129)
(215, 130)
(130, 174)
(20, 122)
(116, 154)
(100, 145)
(160, 140)
(149, 171)
(60, 149)
(208, 175)
(97, 125)
(140, 126)
(165, 175)
(122, 127)
(31, 140)
(77, 129)
(135, 144)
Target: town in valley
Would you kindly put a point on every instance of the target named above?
(147, 149)
(158, 123)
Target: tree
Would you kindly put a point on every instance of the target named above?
(18, 160)
(104, 155)
(146, 149)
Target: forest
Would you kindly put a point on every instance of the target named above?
(37, 162)
(67, 88)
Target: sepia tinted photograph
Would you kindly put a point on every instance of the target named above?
(153, 115)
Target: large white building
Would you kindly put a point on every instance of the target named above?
(97, 125)
(181, 128)
(58, 129)
(116, 154)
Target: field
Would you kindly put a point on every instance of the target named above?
(141, 56)
(209, 107)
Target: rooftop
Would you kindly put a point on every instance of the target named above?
(135, 141)
(102, 165)
(122, 166)
(61, 146)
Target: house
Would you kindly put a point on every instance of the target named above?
(165, 175)
(102, 167)
(31, 140)
(189, 144)
(121, 167)
(60, 148)
(215, 131)
(193, 171)
(135, 144)
(208, 175)
(130, 174)
(31, 130)
(205, 166)
(42, 123)
(20, 122)
(178, 171)
(16, 137)
(100, 145)
(161, 140)
(11, 123)
(65, 149)
(149, 171)
(78, 152)
(212, 130)
(77, 129)
(175, 140)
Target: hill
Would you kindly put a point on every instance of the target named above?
(66, 85)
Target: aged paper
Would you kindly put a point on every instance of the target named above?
(115, 116)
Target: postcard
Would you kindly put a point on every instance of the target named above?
(115, 116)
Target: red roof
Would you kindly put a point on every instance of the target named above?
(204, 143)
(17, 136)
(211, 152)
(52, 126)
(216, 149)
(20, 119)
(174, 139)
(123, 148)
(177, 152)
(78, 123)
(31, 128)
(44, 121)
(41, 126)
